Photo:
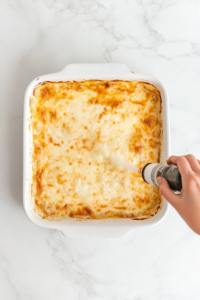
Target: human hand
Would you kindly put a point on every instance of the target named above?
(187, 203)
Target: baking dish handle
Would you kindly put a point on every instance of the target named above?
(98, 71)
(93, 231)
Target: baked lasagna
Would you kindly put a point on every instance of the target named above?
(75, 127)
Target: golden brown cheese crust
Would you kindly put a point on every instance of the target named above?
(73, 124)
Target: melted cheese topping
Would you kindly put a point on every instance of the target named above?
(75, 127)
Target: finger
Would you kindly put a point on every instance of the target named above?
(167, 193)
(194, 163)
(198, 161)
(183, 166)
(180, 161)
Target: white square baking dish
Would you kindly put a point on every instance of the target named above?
(91, 228)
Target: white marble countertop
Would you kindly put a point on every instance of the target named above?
(161, 38)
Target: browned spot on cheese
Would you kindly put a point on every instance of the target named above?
(152, 156)
(153, 144)
(108, 212)
(37, 149)
(150, 121)
(123, 201)
(141, 103)
(39, 205)
(63, 95)
(43, 115)
(88, 144)
(103, 113)
(121, 207)
(46, 92)
(61, 207)
(53, 115)
(84, 211)
(138, 148)
(38, 178)
(59, 180)
(136, 142)
(106, 84)
(111, 102)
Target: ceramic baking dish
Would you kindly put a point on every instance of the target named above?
(91, 228)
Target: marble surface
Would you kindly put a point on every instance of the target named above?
(38, 37)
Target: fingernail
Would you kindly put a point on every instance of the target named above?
(159, 180)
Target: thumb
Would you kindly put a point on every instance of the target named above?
(167, 193)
